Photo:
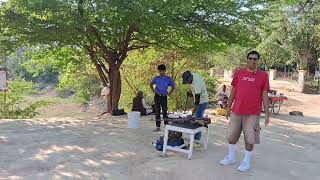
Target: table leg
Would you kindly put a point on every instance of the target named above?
(191, 146)
(207, 138)
(165, 141)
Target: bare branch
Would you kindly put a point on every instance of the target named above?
(130, 48)
(103, 66)
(94, 60)
(125, 42)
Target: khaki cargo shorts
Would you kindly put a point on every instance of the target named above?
(250, 126)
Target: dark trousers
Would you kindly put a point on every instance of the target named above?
(161, 102)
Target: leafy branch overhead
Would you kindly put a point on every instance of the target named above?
(109, 30)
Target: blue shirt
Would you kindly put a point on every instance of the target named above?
(162, 83)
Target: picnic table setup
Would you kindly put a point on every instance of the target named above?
(189, 125)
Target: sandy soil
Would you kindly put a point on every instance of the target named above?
(81, 146)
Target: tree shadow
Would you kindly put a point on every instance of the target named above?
(65, 148)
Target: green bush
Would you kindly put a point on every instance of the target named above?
(140, 68)
(16, 104)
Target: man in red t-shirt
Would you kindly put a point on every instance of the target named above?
(250, 88)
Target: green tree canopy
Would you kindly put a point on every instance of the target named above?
(291, 33)
(109, 30)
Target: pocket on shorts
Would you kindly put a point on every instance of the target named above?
(234, 128)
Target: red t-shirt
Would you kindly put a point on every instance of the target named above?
(249, 87)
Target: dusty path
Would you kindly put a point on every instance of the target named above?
(89, 148)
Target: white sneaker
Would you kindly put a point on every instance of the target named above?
(197, 141)
(227, 160)
(244, 166)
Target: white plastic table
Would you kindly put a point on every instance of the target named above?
(187, 128)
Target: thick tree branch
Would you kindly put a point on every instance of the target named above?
(134, 47)
(125, 43)
(103, 67)
(94, 60)
(108, 51)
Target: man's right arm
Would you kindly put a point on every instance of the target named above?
(230, 101)
(232, 92)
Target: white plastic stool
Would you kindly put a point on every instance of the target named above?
(190, 129)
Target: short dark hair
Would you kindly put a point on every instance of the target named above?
(162, 67)
(253, 52)
(140, 94)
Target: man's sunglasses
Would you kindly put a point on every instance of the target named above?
(252, 58)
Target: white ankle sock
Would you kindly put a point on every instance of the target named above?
(232, 150)
(247, 156)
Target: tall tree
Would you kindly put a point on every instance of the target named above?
(291, 32)
(305, 38)
(109, 30)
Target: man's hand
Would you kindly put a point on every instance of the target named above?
(193, 110)
(266, 120)
(228, 113)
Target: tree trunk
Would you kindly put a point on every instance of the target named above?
(304, 56)
(115, 86)
(102, 75)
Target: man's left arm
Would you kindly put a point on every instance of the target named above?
(172, 87)
(265, 99)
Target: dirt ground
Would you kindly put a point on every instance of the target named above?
(77, 145)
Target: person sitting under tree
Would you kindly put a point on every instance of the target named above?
(139, 104)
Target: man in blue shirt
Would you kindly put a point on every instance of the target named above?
(162, 83)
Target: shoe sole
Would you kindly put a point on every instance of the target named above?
(227, 164)
(243, 170)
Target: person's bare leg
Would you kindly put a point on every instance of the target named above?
(103, 114)
(107, 108)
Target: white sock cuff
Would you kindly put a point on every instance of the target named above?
(232, 146)
(248, 152)
(247, 156)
